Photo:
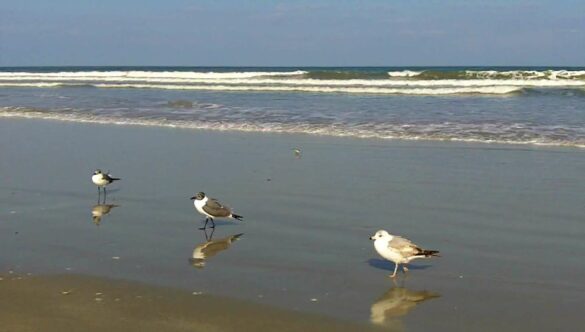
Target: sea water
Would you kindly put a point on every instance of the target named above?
(530, 105)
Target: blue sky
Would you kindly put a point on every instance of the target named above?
(292, 33)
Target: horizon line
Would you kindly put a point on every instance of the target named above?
(294, 66)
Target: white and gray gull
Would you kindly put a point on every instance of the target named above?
(211, 208)
(398, 249)
(101, 179)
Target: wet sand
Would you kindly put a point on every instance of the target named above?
(508, 221)
(77, 303)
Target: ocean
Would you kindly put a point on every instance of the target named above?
(515, 105)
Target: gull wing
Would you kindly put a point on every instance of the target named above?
(108, 177)
(404, 246)
(216, 209)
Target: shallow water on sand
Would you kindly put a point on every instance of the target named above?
(509, 221)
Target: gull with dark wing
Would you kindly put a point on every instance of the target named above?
(398, 249)
(211, 208)
(101, 180)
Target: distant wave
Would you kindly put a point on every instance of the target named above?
(363, 81)
(492, 74)
(404, 73)
(495, 90)
(146, 74)
(307, 82)
(444, 131)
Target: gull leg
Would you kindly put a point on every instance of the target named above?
(394, 282)
(204, 226)
(212, 223)
(104, 195)
(395, 269)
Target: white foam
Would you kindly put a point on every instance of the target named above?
(325, 89)
(501, 90)
(493, 133)
(528, 74)
(404, 73)
(38, 79)
(148, 74)
(32, 85)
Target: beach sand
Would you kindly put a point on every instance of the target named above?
(508, 220)
(76, 303)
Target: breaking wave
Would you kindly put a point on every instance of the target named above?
(502, 133)
(495, 90)
(405, 82)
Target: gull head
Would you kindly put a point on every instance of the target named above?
(379, 235)
(199, 196)
(97, 171)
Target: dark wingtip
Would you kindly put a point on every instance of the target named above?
(238, 217)
(432, 253)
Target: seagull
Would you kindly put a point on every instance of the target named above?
(101, 180)
(211, 208)
(211, 248)
(297, 152)
(398, 249)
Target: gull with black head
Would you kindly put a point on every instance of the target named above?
(211, 208)
(101, 180)
(399, 250)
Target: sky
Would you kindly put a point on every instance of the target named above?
(292, 33)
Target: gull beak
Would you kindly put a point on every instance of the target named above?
(192, 198)
(372, 238)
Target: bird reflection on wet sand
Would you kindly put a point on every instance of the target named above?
(395, 303)
(210, 248)
(100, 210)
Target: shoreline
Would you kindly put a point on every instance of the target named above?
(211, 128)
(495, 213)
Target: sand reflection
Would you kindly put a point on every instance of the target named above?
(100, 210)
(210, 248)
(395, 303)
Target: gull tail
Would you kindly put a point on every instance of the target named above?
(235, 237)
(115, 179)
(237, 216)
(429, 253)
